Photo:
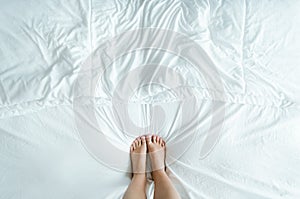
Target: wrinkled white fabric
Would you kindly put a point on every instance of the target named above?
(254, 45)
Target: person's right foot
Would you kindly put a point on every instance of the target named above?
(156, 151)
(138, 150)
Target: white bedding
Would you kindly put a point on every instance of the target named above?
(254, 45)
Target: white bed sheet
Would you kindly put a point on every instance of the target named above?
(254, 45)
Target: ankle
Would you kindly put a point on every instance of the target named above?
(158, 174)
(139, 176)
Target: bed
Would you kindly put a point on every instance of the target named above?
(79, 80)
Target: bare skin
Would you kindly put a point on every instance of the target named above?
(137, 187)
(163, 187)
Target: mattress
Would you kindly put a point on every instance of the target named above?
(218, 80)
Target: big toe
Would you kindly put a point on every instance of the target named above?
(148, 139)
(143, 140)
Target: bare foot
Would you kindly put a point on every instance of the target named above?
(156, 151)
(138, 150)
(137, 186)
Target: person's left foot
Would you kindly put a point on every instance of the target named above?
(138, 150)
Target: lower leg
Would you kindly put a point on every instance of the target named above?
(137, 188)
(164, 189)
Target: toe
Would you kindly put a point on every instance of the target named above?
(136, 142)
(133, 146)
(143, 139)
(154, 138)
(157, 139)
(139, 142)
(160, 141)
(148, 139)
